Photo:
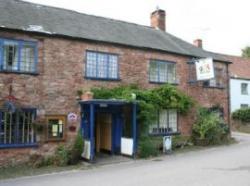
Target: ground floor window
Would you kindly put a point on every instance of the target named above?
(17, 128)
(56, 127)
(166, 122)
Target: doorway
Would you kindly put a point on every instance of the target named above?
(103, 132)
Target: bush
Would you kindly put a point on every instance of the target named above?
(147, 148)
(242, 115)
(61, 157)
(209, 128)
(76, 150)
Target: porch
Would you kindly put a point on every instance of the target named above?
(108, 126)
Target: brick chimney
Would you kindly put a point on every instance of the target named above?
(198, 43)
(158, 19)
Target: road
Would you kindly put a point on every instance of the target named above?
(218, 166)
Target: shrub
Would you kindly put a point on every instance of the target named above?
(76, 150)
(242, 115)
(61, 157)
(209, 128)
(147, 148)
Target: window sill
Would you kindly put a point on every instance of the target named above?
(102, 79)
(162, 83)
(19, 72)
(165, 134)
(8, 146)
(214, 87)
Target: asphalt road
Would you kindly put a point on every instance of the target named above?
(220, 166)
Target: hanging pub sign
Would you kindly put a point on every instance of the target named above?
(204, 69)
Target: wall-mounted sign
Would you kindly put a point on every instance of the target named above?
(72, 117)
(204, 69)
(167, 144)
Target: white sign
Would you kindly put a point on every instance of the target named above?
(167, 144)
(204, 69)
(72, 117)
(127, 146)
(86, 150)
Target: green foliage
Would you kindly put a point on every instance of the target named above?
(76, 150)
(61, 157)
(209, 128)
(147, 148)
(64, 155)
(246, 52)
(242, 115)
(181, 142)
(163, 97)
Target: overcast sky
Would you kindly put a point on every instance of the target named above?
(223, 25)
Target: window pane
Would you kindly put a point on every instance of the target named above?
(27, 59)
(91, 64)
(162, 67)
(56, 127)
(113, 66)
(163, 121)
(153, 72)
(102, 64)
(171, 73)
(244, 88)
(10, 60)
(17, 128)
(172, 120)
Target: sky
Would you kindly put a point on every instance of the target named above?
(223, 25)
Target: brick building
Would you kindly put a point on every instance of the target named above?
(47, 54)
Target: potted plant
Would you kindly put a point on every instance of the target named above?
(84, 95)
(79, 93)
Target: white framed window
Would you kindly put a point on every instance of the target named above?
(166, 122)
(162, 71)
(244, 88)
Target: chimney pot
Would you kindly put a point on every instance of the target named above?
(158, 19)
(198, 43)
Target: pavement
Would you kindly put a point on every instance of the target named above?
(217, 166)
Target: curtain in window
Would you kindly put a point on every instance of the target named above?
(10, 58)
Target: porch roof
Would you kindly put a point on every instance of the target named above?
(105, 101)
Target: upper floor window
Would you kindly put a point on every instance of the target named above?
(217, 81)
(17, 129)
(162, 72)
(244, 88)
(166, 122)
(18, 56)
(101, 65)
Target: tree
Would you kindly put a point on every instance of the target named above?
(246, 52)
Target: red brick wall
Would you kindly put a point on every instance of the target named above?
(61, 74)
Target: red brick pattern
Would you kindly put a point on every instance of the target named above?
(61, 74)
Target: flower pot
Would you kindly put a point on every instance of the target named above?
(87, 96)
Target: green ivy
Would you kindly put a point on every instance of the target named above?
(149, 100)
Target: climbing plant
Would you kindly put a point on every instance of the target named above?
(149, 100)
